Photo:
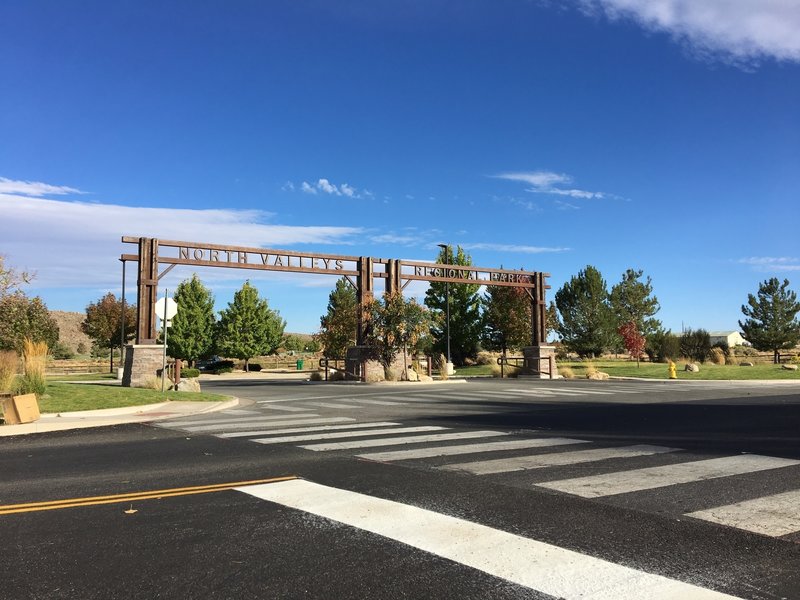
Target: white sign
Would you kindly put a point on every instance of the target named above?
(167, 304)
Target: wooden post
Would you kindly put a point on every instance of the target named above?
(365, 293)
(147, 291)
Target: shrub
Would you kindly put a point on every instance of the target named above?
(796, 359)
(254, 367)
(716, 356)
(336, 376)
(662, 346)
(81, 349)
(496, 370)
(222, 370)
(190, 373)
(9, 362)
(696, 344)
(62, 352)
(590, 369)
(744, 351)
(731, 359)
(390, 374)
(316, 376)
(486, 358)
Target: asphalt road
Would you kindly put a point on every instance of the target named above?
(487, 489)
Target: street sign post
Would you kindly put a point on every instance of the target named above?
(165, 310)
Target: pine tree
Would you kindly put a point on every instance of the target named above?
(631, 301)
(771, 322)
(587, 325)
(338, 327)
(192, 333)
(465, 317)
(248, 327)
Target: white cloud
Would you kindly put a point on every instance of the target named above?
(34, 188)
(738, 30)
(326, 187)
(514, 248)
(538, 179)
(288, 187)
(389, 238)
(78, 243)
(548, 182)
(772, 264)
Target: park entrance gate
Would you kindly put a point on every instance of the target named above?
(143, 357)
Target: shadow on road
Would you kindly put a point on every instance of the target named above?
(771, 427)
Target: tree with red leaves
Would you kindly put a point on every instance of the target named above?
(633, 340)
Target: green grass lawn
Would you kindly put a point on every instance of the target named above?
(624, 368)
(66, 397)
(708, 371)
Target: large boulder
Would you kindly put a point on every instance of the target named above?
(789, 367)
(692, 368)
(188, 385)
(746, 364)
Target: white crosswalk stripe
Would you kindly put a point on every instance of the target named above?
(217, 421)
(774, 515)
(415, 439)
(595, 486)
(260, 423)
(331, 404)
(320, 428)
(282, 408)
(539, 461)
(436, 451)
(549, 569)
(343, 434)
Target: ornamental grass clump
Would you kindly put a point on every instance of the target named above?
(34, 362)
(9, 362)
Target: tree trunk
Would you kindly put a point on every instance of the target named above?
(246, 365)
(111, 366)
(405, 362)
(776, 357)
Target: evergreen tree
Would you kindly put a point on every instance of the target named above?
(338, 327)
(465, 317)
(248, 327)
(587, 325)
(771, 322)
(631, 301)
(192, 333)
(104, 321)
(506, 318)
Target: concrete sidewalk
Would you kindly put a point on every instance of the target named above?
(115, 416)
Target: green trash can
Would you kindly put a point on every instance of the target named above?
(299, 364)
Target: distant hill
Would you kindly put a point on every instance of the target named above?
(69, 329)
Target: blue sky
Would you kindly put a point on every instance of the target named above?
(662, 135)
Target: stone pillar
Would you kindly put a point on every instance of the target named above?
(142, 361)
(539, 360)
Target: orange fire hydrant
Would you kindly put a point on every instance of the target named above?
(673, 374)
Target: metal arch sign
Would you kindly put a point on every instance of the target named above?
(397, 274)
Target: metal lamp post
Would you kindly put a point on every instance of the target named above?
(446, 248)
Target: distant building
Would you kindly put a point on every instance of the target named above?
(731, 338)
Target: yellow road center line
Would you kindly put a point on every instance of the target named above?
(133, 496)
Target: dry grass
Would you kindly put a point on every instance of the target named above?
(717, 356)
(34, 362)
(440, 364)
(487, 358)
(153, 382)
(9, 363)
(590, 369)
(566, 372)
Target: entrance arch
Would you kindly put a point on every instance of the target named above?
(360, 271)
